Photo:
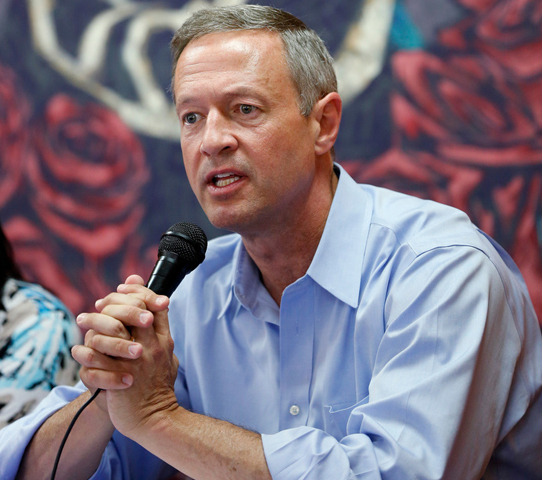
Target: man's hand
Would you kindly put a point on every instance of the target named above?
(138, 377)
(128, 352)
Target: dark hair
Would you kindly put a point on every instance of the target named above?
(309, 62)
(8, 267)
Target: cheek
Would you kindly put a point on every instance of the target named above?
(188, 149)
(190, 165)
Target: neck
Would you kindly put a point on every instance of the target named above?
(284, 254)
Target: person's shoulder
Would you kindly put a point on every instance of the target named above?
(434, 232)
(32, 314)
(421, 223)
(20, 291)
(394, 208)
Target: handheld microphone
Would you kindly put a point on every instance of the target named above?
(182, 248)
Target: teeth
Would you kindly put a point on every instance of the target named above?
(224, 179)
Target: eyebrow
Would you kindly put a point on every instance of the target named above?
(185, 101)
(237, 91)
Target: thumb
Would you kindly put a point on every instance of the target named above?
(161, 323)
(135, 279)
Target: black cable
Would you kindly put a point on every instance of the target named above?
(88, 402)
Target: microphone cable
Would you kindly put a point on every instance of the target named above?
(182, 248)
(68, 431)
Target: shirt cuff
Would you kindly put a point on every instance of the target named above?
(311, 454)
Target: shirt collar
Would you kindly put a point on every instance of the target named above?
(338, 261)
(247, 288)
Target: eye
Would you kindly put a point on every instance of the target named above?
(191, 118)
(247, 109)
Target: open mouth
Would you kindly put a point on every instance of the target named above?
(225, 179)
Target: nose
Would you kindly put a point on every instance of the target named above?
(217, 135)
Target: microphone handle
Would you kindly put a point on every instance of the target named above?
(167, 274)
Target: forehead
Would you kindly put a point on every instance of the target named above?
(253, 57)
(238, 41)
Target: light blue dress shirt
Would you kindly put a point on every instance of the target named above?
(409, 350)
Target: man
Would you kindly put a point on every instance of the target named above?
(344, 331)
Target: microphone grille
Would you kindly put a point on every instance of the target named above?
(186, 240)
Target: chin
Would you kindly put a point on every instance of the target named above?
(235, 219)
(242, 226)
(226, 222)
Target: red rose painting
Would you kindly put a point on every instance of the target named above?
(467, 126)
(449, 108)
(14, 117)
(87, 175)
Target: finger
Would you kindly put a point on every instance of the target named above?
(105, 380)
(160, 327)
(161, 323)
(121, 299)
(153, 301)
(101, 371)
(155, 344)
(90, 358)
(114, 347)
(88, 337)
(135, 279)
(128, 315)
(175, 364)
(103, 324)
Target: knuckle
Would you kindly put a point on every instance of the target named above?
(119, 330)
(109, 298)
(142, 302)
(156, 352)
(139, 300)
(91, 375)
(89, 336)
(150, 297)
(96, 343)
(90, 356)
(118, 346)
(134, 312)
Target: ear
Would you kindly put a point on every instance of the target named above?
(327, 113)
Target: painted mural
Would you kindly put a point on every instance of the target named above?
(443, 100)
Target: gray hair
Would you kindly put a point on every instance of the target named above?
(309, 61)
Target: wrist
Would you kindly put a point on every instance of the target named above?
(157, 423)
(98, 407)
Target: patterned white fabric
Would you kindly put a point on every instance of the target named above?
(36, 334)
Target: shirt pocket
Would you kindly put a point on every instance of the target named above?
(336, 417)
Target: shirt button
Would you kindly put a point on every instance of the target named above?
(294, 410)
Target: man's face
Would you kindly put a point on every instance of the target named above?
(248, 152)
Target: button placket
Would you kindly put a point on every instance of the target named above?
(296, 352)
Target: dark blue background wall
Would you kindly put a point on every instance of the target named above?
(443, 99)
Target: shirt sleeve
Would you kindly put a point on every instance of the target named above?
(15, 437)
(440, 385)
(122, 458)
